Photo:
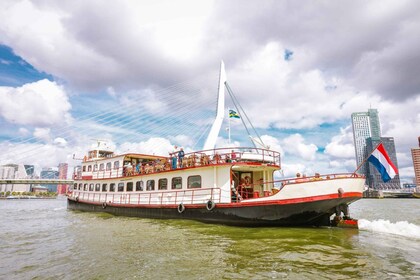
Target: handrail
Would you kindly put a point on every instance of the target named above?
(193, 196)
(193, 159)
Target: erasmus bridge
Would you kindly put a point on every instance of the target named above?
(150, 121)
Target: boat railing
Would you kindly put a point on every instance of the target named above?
(268, 188)
(194, 159)
(190, 196)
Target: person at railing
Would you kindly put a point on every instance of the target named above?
(317, 177)
(204, 159)
(227, 159)
(233, 156)
(138, 167)
(173, 160)
(181, 155)
(217, 158)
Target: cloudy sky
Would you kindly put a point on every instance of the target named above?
(298, 68)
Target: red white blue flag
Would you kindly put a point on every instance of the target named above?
(380, 159)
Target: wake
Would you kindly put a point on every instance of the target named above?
(402, 228)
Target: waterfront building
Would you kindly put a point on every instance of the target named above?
(62, 174)
(50, 173)
(365, 125)
(415, 153)
(373, 177)
(15, 171)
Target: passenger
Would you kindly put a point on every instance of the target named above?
(298, 178)
(216, 158)
(138, 168)
(233, 156)
(228, 159)
(181, 155)
(317, 177)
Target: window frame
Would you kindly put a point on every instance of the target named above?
(189, 183)
(139, 186)
(120, 187)
(150, 187)
(129, 187)
(160, 187)
(173, 183)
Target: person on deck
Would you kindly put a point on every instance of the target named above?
(181, 155)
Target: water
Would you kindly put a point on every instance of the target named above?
(41, 239)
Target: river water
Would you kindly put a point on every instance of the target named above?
(41, 239)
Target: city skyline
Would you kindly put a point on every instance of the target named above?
(298, 82)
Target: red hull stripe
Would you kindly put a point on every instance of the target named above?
(355, 195)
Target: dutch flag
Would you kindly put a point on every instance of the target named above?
(380, 159)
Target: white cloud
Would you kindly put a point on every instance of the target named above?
(294, 144)
(341, 146)
(41, 103)
(42, 134)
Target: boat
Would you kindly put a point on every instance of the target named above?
(232, 186)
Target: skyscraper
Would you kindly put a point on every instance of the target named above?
(62, 174)
(373, 177)
(367, 135)
(415, 153)
(365, 125)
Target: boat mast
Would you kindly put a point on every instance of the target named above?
(217, 124)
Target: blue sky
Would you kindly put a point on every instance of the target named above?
(299, 73)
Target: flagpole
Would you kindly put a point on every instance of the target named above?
(360, 165)
(229, 123)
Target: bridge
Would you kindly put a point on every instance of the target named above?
(15, 181)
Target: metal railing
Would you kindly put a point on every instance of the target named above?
(190, 196)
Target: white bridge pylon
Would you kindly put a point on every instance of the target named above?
(217, 124)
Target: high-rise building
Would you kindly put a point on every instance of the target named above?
(50, 173)
(14, 171)
(373, 177)
(415, 153)
(365, 125)
(62, 174)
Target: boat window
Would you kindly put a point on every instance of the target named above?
(163, 184)
(194, 182)
(139, 186)
(150, 185)
(112, 187)
(97, 187)
(177, 183)
(89, 168)
(129, 186)
(101, 166)
(84, 168)
(80, 186)
(85, 187)
(108, 166)
(121, 187)
(95, 168)
(91, 187)
(104, 186)
(116, 164)
(75, 186)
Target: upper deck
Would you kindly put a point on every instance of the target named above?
(126, 165)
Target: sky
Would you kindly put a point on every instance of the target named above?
(299, 68)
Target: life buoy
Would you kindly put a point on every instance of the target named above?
(181, 208)
(210, 205)
(104, 205)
